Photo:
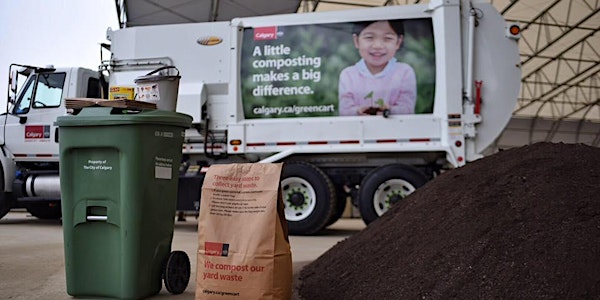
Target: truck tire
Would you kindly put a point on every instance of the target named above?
(4, 204)
(45, 210)
(340, 206)
(308, 196)
(385, 186)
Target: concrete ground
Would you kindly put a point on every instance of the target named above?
(32, 258)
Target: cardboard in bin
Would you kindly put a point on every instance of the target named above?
(77, 103)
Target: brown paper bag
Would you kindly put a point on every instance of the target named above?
(243, 246)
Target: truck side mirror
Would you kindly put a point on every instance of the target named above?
(13, 80)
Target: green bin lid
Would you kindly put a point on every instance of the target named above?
(105, 116)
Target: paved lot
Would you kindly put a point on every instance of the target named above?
(32, 258)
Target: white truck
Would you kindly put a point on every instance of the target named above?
(300, 89)
(29, 140)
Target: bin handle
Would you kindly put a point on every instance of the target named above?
(164, 68)
(97, 218)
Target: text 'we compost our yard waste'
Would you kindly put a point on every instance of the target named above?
(229, 272)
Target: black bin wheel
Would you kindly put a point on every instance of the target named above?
(177, 272)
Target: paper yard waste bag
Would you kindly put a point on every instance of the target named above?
(243, 246)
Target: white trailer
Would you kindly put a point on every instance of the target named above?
(267, 89)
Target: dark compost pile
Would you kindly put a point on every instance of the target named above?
(521, 224)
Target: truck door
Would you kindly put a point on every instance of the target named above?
(30, 133)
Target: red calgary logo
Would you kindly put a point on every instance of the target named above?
(37, 132)
(265, 33)
(216, 249)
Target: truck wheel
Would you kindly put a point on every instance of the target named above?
(384, 187)
(4, 204)
(340, 206)
(308, 196)
(45, 211)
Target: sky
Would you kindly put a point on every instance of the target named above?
(63, 33)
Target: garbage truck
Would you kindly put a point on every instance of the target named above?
(362, 106)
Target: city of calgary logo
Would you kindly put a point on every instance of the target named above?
(216, 249)
(37, 132)
(210, 40)
(265, 33)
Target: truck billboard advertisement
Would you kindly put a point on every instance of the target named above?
(338, 69)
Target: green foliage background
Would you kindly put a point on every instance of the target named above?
(334, 44)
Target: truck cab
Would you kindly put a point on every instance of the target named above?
(29, 138)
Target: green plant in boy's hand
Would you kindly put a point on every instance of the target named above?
(373, 110)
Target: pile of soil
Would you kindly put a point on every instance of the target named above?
(521, 224)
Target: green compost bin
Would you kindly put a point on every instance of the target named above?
(118, 178)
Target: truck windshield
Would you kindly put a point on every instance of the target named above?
(24, 101)
(48, 90)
